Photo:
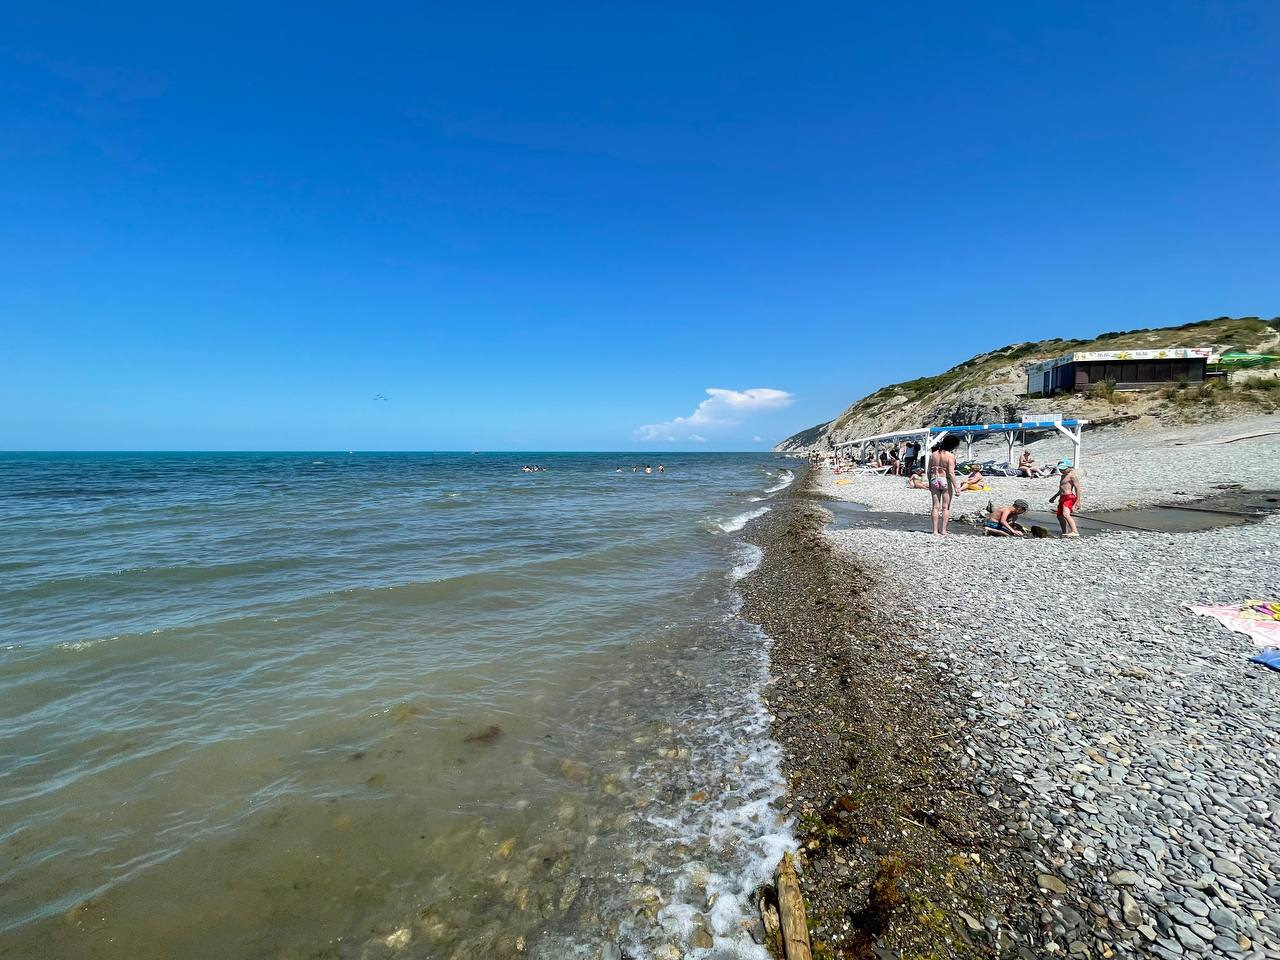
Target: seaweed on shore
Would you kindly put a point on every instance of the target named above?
(901, 858)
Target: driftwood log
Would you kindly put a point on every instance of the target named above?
(795, 927)
(772, 926)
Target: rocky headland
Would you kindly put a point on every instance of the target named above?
(991, 387)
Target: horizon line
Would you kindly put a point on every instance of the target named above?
(300, 450)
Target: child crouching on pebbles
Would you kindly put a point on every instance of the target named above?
(1001, 522)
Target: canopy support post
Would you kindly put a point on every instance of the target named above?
(1075, 437)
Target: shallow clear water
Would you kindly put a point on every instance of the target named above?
(329, 705)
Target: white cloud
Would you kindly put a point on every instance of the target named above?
(722, 410)
(757, 439)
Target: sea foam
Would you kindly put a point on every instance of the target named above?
(784, 480)
(734, 524)
(748, 557)
(750, 833)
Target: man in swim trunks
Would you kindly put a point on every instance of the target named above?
(1068, 496)
(1001, 522)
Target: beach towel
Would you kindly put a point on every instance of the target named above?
(1259, 619)
(1268, 658)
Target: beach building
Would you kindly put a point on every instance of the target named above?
(1129, 369)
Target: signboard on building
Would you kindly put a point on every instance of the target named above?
(1175, 353)
(1103, 356)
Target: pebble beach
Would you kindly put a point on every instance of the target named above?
(1119, 469)
(1129, 740)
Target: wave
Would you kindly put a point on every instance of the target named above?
(750, 555)
(733, 524)
(75, 646)
(750, 826)
(786, 479)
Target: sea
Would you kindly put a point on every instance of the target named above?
(355, 705)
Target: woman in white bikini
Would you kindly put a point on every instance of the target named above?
(942, 481)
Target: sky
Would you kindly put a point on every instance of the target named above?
(656, 226)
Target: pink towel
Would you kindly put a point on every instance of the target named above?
(1259, 619)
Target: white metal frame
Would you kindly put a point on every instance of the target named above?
(1074, 434)
(931, 439)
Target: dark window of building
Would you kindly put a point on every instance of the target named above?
(1197, 369)
(1146, 371)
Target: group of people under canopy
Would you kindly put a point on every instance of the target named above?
(904, 460)
(898, 459)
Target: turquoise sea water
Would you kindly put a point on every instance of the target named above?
(331, 705)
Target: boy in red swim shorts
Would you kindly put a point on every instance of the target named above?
(1067, 496)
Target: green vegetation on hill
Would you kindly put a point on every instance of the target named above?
(973, 369)
(1002, 368)
(1237, 334)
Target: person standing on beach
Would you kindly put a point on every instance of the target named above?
(942, 482)
(1068, 496)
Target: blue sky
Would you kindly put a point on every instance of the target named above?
(557, 226)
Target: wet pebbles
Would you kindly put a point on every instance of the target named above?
(901, 855)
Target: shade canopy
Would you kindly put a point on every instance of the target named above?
(930, 436)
